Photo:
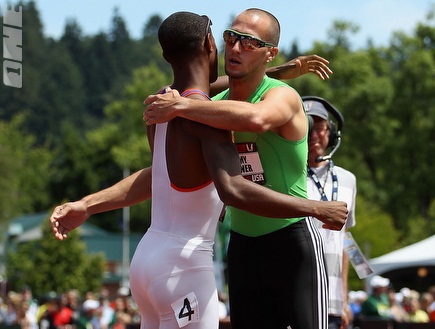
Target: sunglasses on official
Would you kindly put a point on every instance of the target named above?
(247, 41)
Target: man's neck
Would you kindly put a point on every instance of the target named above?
(241, 89)
(189, 77)
(189, 84)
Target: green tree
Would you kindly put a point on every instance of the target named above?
(148, 48)
(51, 265)
(152, 26)
(74, 40)
(62, 100)
(123, 51)
(74, 168)
(123, 134)
(340, 31)
(25, 168)
(375, 234)
(414, 113)
(100, 66)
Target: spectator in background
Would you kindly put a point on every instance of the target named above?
(377, 305)
(23, 320)
(72, 297)
(398, 313)
(89, 318)
(416, 314)
(32, 307)
(122, 316)
(130, 307)
(432, 305)
(107, 318)
(9, 313)
(48, 311)
(426, 300)
(406, 302)
(328, 182)
(356, 298)
(64, 316)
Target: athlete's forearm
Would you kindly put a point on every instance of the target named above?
(262, 201)
(127, 192)
(227, 115)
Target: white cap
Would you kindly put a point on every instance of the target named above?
(398, 297)
(123, 291)
(91, 304)
(406, 292)
(361, 295)
(379, 281)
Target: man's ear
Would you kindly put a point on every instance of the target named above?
(273, 51)
(209, 45)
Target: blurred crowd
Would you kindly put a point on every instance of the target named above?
(382, 302)
(69, 310)
(98, 311)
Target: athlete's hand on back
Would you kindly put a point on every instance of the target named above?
(167, 103)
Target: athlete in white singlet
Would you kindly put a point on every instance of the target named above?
(172, 269)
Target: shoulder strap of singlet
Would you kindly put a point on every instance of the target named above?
(189, 92)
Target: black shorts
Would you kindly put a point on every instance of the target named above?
(278, 280)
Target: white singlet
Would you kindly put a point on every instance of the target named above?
(171, 274)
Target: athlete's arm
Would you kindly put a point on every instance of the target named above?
(278, 106)
(127, 192)
(223, 164)
(299, 66)
(290, 70)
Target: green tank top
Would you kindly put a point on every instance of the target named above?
(284, 163)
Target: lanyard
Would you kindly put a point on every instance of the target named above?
(319, 186)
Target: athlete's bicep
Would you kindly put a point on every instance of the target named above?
(284, 107)
(275, 109)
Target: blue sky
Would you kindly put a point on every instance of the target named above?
(303, 21)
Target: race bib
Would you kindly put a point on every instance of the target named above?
(250, 163)
(186, 310)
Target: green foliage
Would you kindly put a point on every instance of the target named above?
(124, 128)
(51, 265)
(339, 33)
(123, 134)
(71, 176)
(25, 169)
(374, 233)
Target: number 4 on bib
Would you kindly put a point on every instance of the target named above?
(186, 310)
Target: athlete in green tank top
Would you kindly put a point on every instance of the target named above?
(281, 167)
